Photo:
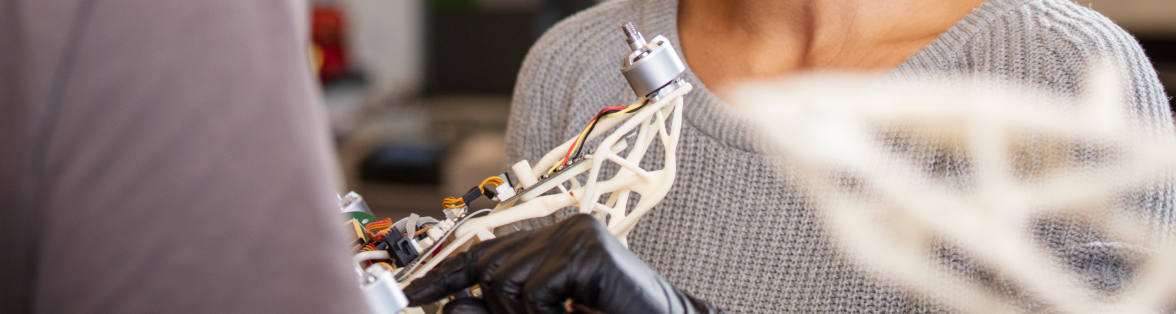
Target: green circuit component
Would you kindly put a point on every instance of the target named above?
(356, 230)
(361, 217)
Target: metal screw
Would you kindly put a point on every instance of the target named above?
(632, 36)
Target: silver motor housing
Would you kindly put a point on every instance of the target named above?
(651, 66)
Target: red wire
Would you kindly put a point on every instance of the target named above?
(568, 155)
(611, 108)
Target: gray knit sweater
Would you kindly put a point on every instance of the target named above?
(732, 230)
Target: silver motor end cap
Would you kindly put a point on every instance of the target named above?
(651, 66)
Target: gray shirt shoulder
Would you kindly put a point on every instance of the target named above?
(728, 206)
(1046, 44)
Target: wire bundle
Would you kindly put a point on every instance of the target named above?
(418, 232)
(578, 144)
(376, 226)
(453, 202)
(375, 231)
(408, 269)
(495, 180)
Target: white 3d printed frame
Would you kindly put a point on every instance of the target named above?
(659, 120)
(886, 209)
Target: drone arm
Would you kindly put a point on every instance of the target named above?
(621, 199)
(670, 101)
(647, 202)
(554, 155)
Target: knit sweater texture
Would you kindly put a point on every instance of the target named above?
(733, 230)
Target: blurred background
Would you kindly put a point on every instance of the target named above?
(418, 91)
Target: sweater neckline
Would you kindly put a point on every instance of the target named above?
(721, 121)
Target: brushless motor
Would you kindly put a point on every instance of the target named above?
(651, 65)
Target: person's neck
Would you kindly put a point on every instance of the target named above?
(731, 40)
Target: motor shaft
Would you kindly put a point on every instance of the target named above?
(632, 36)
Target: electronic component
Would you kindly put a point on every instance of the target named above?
(382, 292)
(404, 248)
(650, 66)
(415, 244)
(554, 182)
(498, 187)
(408, 238)
(353, 206)
(355, 231)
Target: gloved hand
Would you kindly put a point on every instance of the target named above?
(538, 271)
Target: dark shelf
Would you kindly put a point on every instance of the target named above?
(473, 51)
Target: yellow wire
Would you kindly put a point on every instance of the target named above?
(491, 180)
(575, 144)
(455, 202)
(452, 202)
(579, 138)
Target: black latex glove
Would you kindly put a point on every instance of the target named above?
(537, 271)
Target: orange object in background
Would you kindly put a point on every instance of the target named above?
(327, 23)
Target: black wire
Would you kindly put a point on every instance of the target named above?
(586, 134)
(404, 273)
(576, 154)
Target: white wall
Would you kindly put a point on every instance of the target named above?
(386, 38)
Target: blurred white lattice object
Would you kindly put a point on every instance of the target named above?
(901, 170)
